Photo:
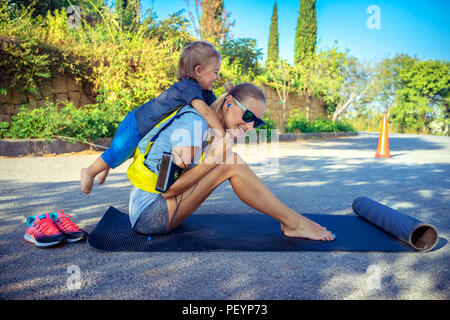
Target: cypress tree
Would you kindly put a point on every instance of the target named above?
(306, 33)
(273, 49)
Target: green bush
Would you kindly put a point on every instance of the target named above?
(116, 66)
(4, 126)
(49, 122)
(34, 50)
(297, 123)
(268, 125)
(344, 126)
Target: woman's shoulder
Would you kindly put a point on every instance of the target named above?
(189, 113)
(190, 123)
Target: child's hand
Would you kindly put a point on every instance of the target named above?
(102, 177)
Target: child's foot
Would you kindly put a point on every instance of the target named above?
(86, 181)
(102, 177)
(308, 229)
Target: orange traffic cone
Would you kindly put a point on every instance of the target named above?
(383, 141)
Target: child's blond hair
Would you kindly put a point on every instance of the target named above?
(196, 54)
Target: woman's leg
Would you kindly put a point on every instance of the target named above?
(252, 191)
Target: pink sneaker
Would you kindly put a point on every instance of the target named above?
(43, 232)
(64, 223)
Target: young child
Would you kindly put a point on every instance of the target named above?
(198, 69)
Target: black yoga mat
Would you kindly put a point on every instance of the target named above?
(419, 235)
(242, 232)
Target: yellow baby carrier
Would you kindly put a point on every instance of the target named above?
(140, 176)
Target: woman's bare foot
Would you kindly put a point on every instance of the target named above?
(87, 181)
(102, 176)
(307, 229)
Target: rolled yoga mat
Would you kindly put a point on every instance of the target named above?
(242, 232)
(417, 234)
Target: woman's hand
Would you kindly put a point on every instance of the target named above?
(183, 156)
(218, 151)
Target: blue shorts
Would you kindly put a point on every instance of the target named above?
(124, 143)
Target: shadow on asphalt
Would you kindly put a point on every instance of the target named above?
(307, 184)
(397, 143)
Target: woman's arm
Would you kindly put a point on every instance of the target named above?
(189, 177)
(209, 115)
(183, 156)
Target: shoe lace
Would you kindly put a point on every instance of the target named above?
(65, 222)
(47, 227)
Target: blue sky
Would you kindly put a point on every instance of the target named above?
(418, 28)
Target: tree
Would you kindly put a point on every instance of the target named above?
(243, 53)
(311, 79)
(212, 24)
(333, 77)
(305, 37)
(283, 86)
(273, 49)
(239, 63)
(173, 29)
(129, 11)
(41, 7)
(354, 86)
(423, 95)
(281, 76)
(387, 79)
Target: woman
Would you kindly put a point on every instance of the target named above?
(238, 110)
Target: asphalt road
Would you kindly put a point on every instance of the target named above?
(315, 176)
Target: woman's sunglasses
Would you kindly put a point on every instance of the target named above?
(249, 116)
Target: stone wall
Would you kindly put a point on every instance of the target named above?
(61, 89)
(58, 90)
(275, 109)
